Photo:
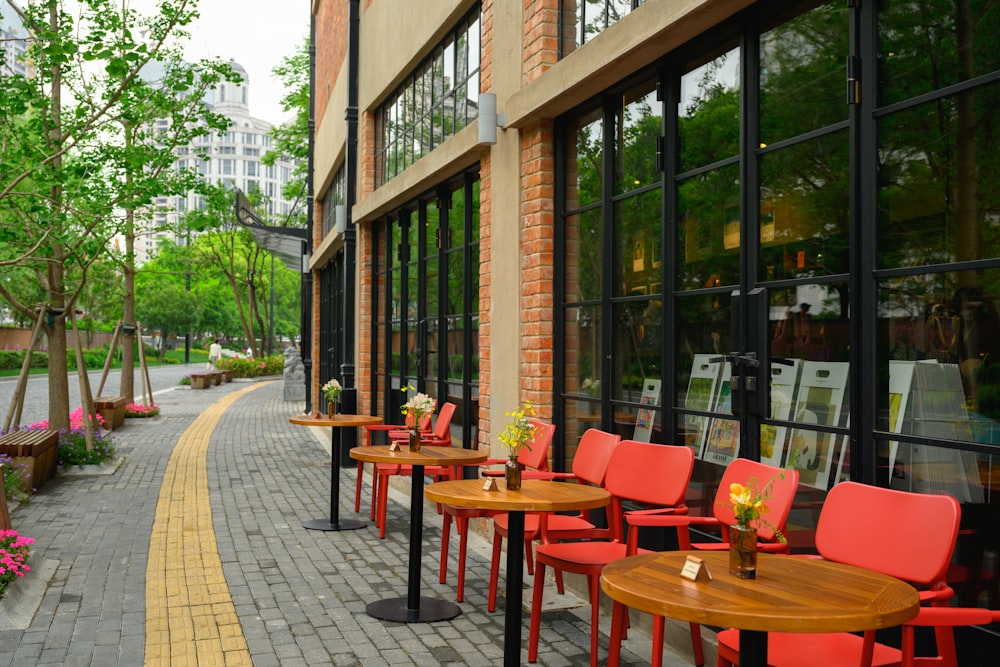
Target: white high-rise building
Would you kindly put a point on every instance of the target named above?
(235, 160)
(13, 42)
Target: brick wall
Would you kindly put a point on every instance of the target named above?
(331, 50)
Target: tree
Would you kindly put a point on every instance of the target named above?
(166, 305)
(80, 146)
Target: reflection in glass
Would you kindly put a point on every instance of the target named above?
(804, 209)
(803, 60)
(926, 45)
(583, 182)
(583, 354)
(638, 262)
(709, 115)
(938, 199)
(638, 337)
(810, 322)
(709, 231)
(583, 256)
(638, 124)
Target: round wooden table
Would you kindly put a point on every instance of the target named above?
(414, 608)
(789, 595)
(336, 422)
(534, 496)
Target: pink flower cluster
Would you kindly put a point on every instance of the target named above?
(139, 410)
(75, 420)
(14, 552)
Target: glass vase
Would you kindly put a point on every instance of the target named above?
(414, 440)
(743, 551)
(512, 474)
(331, 408)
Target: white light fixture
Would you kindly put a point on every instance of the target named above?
(489, 119)
(305, 262)
(340, 218)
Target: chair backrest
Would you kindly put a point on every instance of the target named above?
(442, 428)
(779, 503)
(654, 475)
(537, 458)
(593, 452)
(910, 536)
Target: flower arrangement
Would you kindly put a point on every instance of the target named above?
(14, 552)
(591, 386)
(418, 406)
(750, 504)
(16, 480)
(332, 390)
(140, 411)
(519, 431)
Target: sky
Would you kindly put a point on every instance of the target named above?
(257, 34)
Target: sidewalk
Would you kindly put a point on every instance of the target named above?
(222, 481)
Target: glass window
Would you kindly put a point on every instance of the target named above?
(708, 230)
(709, 114)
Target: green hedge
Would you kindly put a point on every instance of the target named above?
(14, 359)
(93, 358)
(252, 368)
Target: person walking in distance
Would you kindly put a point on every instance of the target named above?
(214, 353)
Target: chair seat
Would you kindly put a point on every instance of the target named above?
(787, 649)
(574, 555)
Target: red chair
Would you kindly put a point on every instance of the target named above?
(534, 459)
(939, 618)
(652, 475)
(590, 464)
(783, 488)
(425, 425)
(440, 436)
(909, 536)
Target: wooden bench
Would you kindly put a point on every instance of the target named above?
(37, 449)
(201, 380)
(112, 409)
(216, 377)
(227, 376)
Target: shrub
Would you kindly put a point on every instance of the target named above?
(14, 552)
(186, 380)
(14, 359)
(73, 448)
(252, 368)
(15, 479)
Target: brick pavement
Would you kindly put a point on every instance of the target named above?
(299, 595)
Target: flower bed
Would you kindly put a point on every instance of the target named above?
(14, 552)
(138, 411)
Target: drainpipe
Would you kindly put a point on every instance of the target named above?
(307, 277)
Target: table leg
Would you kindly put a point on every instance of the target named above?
(334, 522)
(414, 608)
(753, 648)
(515, 579)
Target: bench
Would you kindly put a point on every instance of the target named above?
(112, 409)
(227, 376)
(216, 377)
(37, 450)
(201, 380)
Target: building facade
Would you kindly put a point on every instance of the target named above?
(235, 160)
(759, 229)
(13, 43)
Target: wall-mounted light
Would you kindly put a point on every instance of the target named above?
(489, 119)
(305, 262)
(340, 218)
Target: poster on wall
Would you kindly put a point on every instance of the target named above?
(645, 417)
(724, 435)
(700, 395)
(784, 381)
(900, 385)
(819, 401)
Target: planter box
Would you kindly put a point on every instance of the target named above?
(201, 380)
(216, 378)
(227, 376)
(38, 450)
(112, 409)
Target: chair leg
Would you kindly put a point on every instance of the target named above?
(696, 647)
(594, 584)
(462, 524)
(615, 643)
(383, 499)
(529, 560)
(491, 602)
(375, 486)
(536, 612)
(357, 490)
(445, 535)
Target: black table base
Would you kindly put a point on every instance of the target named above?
(428, 610)
(334, 523)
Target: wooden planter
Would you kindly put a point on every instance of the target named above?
(112, 409)
(36, 449)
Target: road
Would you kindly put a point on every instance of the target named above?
(36, 400)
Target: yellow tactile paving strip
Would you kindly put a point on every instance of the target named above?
(190, 615)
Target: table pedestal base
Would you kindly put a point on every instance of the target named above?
(396, 609)
(340, 524)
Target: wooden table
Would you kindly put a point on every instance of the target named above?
(414, 608)
(534, 496)
(336, 422)
(790, 594)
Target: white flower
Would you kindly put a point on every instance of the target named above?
(332, 390)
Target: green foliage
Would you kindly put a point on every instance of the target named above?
(252, 368)
(15, 480)
(14, 359)
(73, 448)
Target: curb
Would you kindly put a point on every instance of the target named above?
(22, 597)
